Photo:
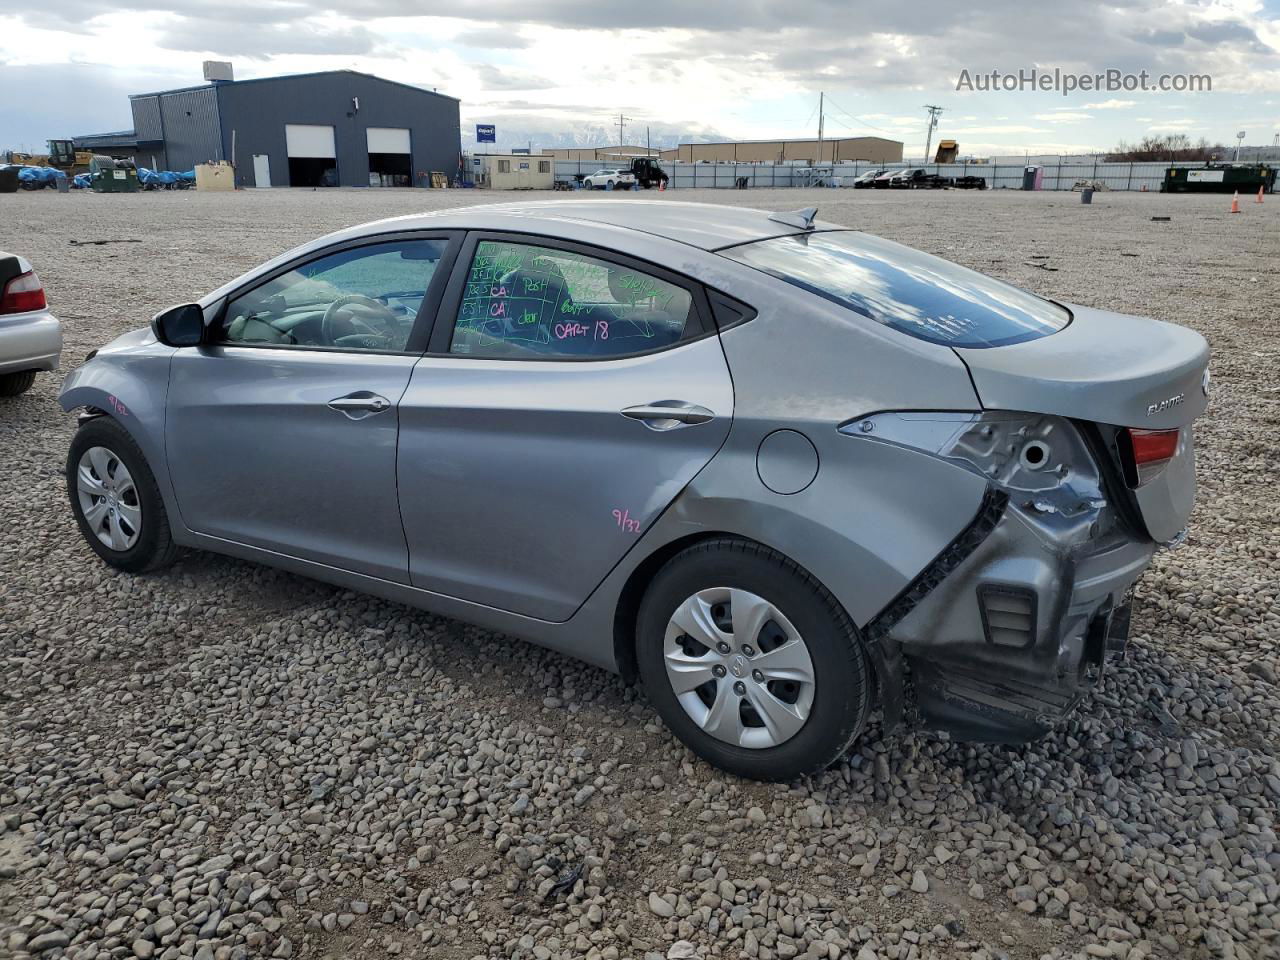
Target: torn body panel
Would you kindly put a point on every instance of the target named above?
(1011, 626)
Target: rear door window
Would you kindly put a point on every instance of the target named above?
(921, 295)
(522, 300)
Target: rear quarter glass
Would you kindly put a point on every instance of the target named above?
(921, 295)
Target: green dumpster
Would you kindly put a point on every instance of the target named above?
(1220, 178)
(107, 175)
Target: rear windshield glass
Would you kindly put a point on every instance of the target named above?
(921, 295)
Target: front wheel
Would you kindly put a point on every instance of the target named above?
(115, 499)
(751, 662)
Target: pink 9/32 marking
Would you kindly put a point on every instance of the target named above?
(625, 522)
(117, 406)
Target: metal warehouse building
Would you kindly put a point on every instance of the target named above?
(872, 149)
(332, 128)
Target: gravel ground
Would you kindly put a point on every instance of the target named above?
(223, 761)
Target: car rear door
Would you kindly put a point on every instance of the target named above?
(568, 396)
(283, 437)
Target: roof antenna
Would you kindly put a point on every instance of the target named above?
(796, 218)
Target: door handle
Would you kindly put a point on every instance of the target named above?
(668, 414)
(360, 404)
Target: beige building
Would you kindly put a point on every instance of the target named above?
(512, 171)
(871, 149)
(614, 154)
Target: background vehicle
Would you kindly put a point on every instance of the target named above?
(864, 180)
(648, 172)
(674, 503)
(30, 336)
(609, 177)
(919, 179)
(885, 179)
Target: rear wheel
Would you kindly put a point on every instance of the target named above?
(114, 497)
(12, 384)
(751, 662)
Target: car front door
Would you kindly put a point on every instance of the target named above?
(569, 395)
(281, 429)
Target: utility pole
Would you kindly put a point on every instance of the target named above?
(821, 98)
(648, 150)
(934, 111)
(622, 122)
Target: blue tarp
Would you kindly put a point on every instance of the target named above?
(164, 177)
(81, 181)
(39, 174)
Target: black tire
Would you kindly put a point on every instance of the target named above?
(154, 547)
(843, 687)
(12, 384)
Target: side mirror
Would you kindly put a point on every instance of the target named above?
(181, 326)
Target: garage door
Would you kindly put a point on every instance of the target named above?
(388, 139)
(308, 140)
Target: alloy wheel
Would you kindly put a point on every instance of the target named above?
(739, 668)
(108, 498)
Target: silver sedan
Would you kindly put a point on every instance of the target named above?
(30, 336)
(777, 471)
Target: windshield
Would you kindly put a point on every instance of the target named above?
(921, 295)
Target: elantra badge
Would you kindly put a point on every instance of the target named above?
(1166, 404)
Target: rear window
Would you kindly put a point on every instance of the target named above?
(921, 295)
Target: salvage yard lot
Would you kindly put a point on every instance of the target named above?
(221, 760)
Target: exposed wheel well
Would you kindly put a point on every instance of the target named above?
(624, 616)
(886, 678)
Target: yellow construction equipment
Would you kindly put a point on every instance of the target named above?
(947, 151)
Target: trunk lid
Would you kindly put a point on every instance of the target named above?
(1111, 369)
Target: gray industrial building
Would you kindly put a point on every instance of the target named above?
(337, 127)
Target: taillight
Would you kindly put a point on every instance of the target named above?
(1151, 451)
(22, 293)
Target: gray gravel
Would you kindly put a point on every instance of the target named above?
(223, 761)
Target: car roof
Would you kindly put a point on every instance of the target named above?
(708, 226)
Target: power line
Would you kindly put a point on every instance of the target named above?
(622, 123)
(809, 119)
(856, 118)
(934, 112)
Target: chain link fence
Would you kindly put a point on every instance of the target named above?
(1059, 176)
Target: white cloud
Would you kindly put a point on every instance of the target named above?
(1109, 105)
(1062, 116)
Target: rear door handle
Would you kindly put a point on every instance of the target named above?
(360, 404)
(668, 414)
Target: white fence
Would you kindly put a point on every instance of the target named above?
(1060, 176)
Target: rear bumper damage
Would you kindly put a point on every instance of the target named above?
(1012, 625)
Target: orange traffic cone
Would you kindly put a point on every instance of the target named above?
(1259, 200)
(1235, 202)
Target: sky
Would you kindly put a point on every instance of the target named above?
(561, 71)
